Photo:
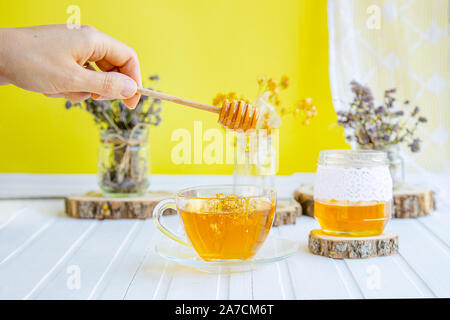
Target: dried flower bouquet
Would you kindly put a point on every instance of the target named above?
(122, 164)
(374, 126)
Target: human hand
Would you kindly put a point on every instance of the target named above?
(54, 60)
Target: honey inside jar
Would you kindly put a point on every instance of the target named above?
(227, 227)
(346, 218)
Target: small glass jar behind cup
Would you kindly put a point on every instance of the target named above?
(353, 192)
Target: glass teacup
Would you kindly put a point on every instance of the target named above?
(228, 222)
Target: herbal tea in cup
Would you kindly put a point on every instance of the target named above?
(222, 222)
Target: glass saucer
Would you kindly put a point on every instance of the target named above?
(273, 249)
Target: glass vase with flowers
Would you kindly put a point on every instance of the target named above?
(256, 152)
(123, 166)
(382, 127)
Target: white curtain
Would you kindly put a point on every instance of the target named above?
(399, 44)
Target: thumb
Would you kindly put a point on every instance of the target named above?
(113, 85)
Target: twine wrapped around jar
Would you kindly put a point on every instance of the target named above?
(119, 142)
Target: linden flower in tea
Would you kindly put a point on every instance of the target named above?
(222, 222)
(227, 227)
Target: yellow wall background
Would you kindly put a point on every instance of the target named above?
(199, 47)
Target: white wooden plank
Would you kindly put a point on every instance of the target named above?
(387, 277)
(60, 185)
(241, 286)
(177, 278)
(272, 281)
(438, 223)
(427, 255)
(190, 284)
(23, 227)
(121, 251)
(268, 283)
(95, 257)
(31, 268)
(316, 277)
(43, 185)
(129, 264)
(39, 251)
(22, 244)
(9, 210)
(351, 285)
(153, 277)
(223, 286)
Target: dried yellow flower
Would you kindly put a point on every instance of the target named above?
(261, 81)
(272, 85)
(304, 110)
(221, 97)
(284, 82)
(106, 210)
(218, 99)
(277, 101)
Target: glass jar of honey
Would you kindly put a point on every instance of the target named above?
(353, 192)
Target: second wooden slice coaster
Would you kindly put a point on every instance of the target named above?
(409, 201)
(305, 196)
(286, 213)
(93, 205)
(413, 201)
(322, 244)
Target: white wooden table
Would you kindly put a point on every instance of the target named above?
(45, 255)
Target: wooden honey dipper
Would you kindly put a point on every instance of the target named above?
(234, 115)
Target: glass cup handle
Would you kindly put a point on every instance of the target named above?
(157, 214)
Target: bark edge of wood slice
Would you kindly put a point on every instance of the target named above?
(410, 201)
(286, 213)
(334, 247)
(93, 205)
(304, 195)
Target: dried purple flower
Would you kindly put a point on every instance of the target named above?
(422, 119)
(364, 92)
(115, 115)
(415, 145)
(379, 127)
(389, 91)
(134, 120)
(380, 110)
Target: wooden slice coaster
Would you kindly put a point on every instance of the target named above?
(413, 201)
(304, 195)
(286, 213)
(93, 205)
(321, 244)
(409, 201)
